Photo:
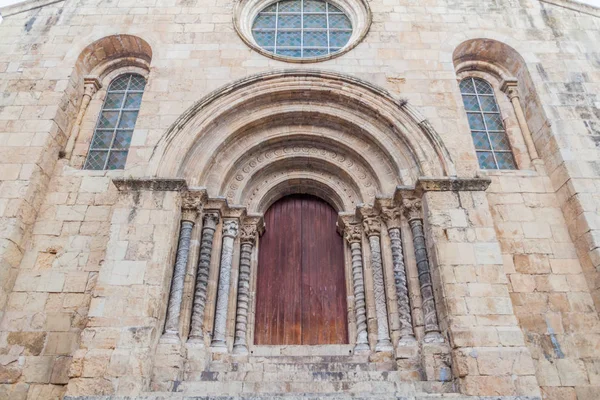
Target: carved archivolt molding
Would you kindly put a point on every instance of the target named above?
(215, 143)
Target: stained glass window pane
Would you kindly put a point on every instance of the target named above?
(289, 21)
(481, 141)
(487, 130)
(114, 129)
(486, 160)
(289, 6)
(315, 21)
(102, 139)
(96, 160)
(302, 28)
(113, 100)
(506, 160)
(116, 160)
(314, 6)
(339, 21)
(339, 38)
(289, 38)
(315, 38)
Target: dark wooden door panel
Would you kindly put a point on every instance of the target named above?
(301, 292)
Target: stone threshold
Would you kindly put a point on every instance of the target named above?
(302, 350)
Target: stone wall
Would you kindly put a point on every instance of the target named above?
(84, 270)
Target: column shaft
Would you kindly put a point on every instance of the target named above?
(240, 346)
(176, 295)
(406, 327)
(206, 244)
(230, 229)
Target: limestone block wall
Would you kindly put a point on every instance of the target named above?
(55, 219)
(547, 285)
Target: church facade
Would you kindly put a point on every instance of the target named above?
(300, 199)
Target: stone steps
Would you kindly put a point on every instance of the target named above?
(296, 376)
(301, 366)
(297, 396)
(311, 386)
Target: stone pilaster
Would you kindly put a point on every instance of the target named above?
(191, 204)
(372, 227)
(392, 216)
(210, 222)
(248, 234)
(230, 231)
(353, 235)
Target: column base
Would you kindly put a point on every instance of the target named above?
(170, 337)
(407, 347)
(362, 348)
(240, 349)
(196, 341)
(384, 346)
(218, 346)
(433, 337)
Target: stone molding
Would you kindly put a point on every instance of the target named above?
(575, 6)
(150, 184)
(453, 184)
(26, 6)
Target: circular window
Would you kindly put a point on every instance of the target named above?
(302, 30)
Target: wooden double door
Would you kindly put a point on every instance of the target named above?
(301, 288)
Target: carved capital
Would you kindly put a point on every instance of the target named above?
(412, 208)
(90, 86)
(372, 225)
(391, 216)
(191, 204)
(230, 228)
(211, 220)
(248, 234)
(510, 87)
(353, 233)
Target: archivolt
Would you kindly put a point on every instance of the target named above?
(326, 132)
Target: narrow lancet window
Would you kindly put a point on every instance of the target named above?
(489, 136)
(116, 122)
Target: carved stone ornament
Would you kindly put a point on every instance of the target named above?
(372, 225)
(412, 208)
(353, 233)
(248, 234)
(191, 204)
(392, 217)
(150, 184)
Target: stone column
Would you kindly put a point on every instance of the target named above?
(210, 222)
(353, 235)
(230, 231)
(372, 226)
(91, 86)
(190, 205)
(392, 216)
(412, 211)
(510, 88)
(248, 235)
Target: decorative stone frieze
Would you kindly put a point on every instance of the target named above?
(413, 211)
(248, 235)
(209, 226)
(392, 217)
(372, 227)
(150, 184)
(230, 231)
(452, 184)
(353, 235)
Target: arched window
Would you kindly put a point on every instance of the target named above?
(489, 136)
(116, 122)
